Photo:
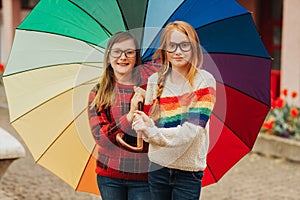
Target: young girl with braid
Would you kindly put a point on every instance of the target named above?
(180, 97)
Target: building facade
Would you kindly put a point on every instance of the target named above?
(277, 22)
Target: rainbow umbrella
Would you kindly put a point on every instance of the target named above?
(57, 58)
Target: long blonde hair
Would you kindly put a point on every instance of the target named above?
(161, 54)
(106, 86)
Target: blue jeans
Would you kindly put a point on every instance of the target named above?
(174, 184)
(118, 189)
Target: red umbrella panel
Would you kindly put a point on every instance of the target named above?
(241, 106)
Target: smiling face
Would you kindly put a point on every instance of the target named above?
(181, 57)
(123, 64)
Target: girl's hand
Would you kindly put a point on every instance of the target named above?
(138, 96)
(140, 115)
(140, 91)
(141, 122)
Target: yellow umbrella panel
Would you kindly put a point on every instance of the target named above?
(48, 100)
(48, 108)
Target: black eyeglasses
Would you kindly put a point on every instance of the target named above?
(117, 53)
(184, 46)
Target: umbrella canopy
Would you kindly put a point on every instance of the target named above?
(57, 57)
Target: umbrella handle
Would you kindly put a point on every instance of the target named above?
(139, 142)
(129, 147)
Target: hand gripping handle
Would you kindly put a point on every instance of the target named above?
(139, 142)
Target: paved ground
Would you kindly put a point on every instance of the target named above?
(255, 177)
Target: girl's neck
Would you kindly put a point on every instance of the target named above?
(125, 80)
(178, 77)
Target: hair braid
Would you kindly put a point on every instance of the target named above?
(155, 109)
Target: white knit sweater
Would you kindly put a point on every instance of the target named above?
(180, 139)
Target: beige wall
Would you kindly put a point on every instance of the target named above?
(290, 58)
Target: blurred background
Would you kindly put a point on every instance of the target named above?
(256, 177)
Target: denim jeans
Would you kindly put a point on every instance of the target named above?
(174, 184)
(118, 189)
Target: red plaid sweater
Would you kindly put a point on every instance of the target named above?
(114, 161)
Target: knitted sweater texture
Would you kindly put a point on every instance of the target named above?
(180, 137)
(112, 160)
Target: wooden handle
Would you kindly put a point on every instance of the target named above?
(129, 147)
(140, 106)
(139, 142)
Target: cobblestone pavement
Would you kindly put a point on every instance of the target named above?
(255, 177)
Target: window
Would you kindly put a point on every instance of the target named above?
(28, 4)
(271, 29)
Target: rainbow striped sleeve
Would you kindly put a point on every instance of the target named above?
(194, 107)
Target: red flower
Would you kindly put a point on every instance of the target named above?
(294, 94)
(279, 103)
(1, 68)
(284, 117)
(268, 125)
(294, 112)
(285, 92)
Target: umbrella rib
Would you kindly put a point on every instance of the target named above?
(215, 179)
(125, 23)
(145, 16)
(144, 21)
(235, 16)
(231, 130)
(101, 25)
(219, 118)
(240, 91)
(239, 54)
(94, 47)
(167, 21)
(37, 160)
(60, 34)
(89, 81)
(46, 66)
(85, 167)
(175, 11)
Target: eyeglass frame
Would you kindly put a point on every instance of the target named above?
(179, 45)
(123, 51)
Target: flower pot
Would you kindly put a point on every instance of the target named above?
(277, 147)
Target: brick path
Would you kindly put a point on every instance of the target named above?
(255, 177)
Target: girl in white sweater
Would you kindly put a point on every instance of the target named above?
(180, 99)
